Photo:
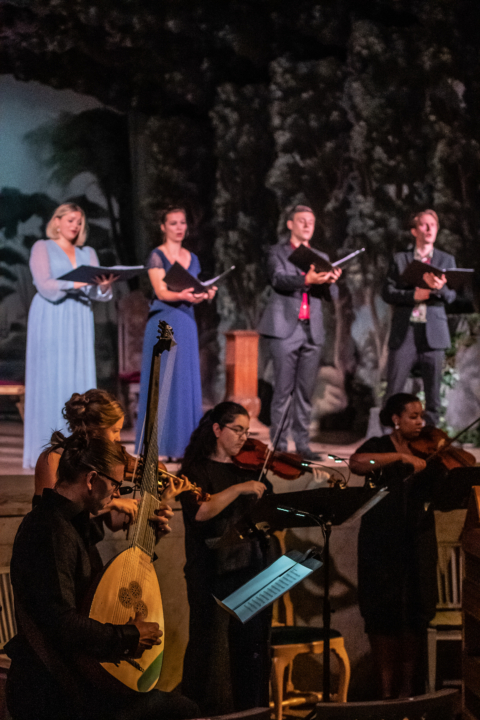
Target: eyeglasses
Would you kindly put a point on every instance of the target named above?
(117, 483)
(239, 432)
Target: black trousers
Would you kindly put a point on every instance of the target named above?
(415, 351)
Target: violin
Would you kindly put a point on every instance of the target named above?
(133, 468)
(433, 442)
(286, 465)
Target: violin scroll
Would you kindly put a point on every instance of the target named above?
(253, 454)
(166, 481)
(169, 486)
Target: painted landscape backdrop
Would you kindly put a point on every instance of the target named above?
(364, 110)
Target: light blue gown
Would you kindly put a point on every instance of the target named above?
(184, 409)
(60, 343)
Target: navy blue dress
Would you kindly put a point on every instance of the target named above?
(185, 402)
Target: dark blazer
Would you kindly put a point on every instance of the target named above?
(400, 296)
(283, 306)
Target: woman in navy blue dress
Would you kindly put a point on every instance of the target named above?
(177, 309)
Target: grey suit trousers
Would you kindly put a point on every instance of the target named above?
(295, 361)
(415, 351)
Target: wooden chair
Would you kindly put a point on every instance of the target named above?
(8, 626)
(288, 641)
(132, 319)
(442, 705)
(447, 623)
(8, 629)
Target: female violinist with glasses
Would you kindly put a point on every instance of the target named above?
(227, 664)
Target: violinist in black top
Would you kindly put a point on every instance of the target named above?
(397, 548)
(227, 664)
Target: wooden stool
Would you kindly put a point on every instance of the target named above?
(287, 643)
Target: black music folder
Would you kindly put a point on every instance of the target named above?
(178, 279)
(456, 279)
(266, 587)
(86, 273)
(302, 257)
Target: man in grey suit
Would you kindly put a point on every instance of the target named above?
(419, 333)
(293, 324)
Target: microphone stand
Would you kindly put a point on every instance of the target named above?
(326, 526)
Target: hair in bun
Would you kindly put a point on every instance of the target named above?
(93, 410)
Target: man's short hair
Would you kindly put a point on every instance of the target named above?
(298, 208)
(414, 217)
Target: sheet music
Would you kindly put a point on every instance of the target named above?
(269, 585)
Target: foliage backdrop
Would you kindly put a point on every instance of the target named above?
(365, 110)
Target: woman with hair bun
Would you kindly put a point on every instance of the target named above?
(60, 335)
(177, 309)
(397, 549)
(227, 664)
(94, 414)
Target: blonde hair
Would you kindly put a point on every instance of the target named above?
(414, 217)
(52, 231)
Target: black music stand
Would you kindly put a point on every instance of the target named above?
(323, 507)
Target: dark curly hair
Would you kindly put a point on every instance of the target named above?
(203, 440)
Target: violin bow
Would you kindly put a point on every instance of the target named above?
(270, 451)
(450, 441)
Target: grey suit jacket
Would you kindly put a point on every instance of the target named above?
(280, 317)
(400, 296)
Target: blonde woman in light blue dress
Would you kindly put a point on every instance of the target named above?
(60, 335)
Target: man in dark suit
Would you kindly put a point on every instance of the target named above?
(293, 324)
(419, 333)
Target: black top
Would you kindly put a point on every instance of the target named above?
(397, 546)
(51, 572)
(204, 563)
(227, 664)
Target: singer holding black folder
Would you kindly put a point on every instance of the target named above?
(177, 309)
(293, 325)
(227, 664)
(60, 335)
(419, 334)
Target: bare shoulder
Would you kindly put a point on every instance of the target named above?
(46, 471)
